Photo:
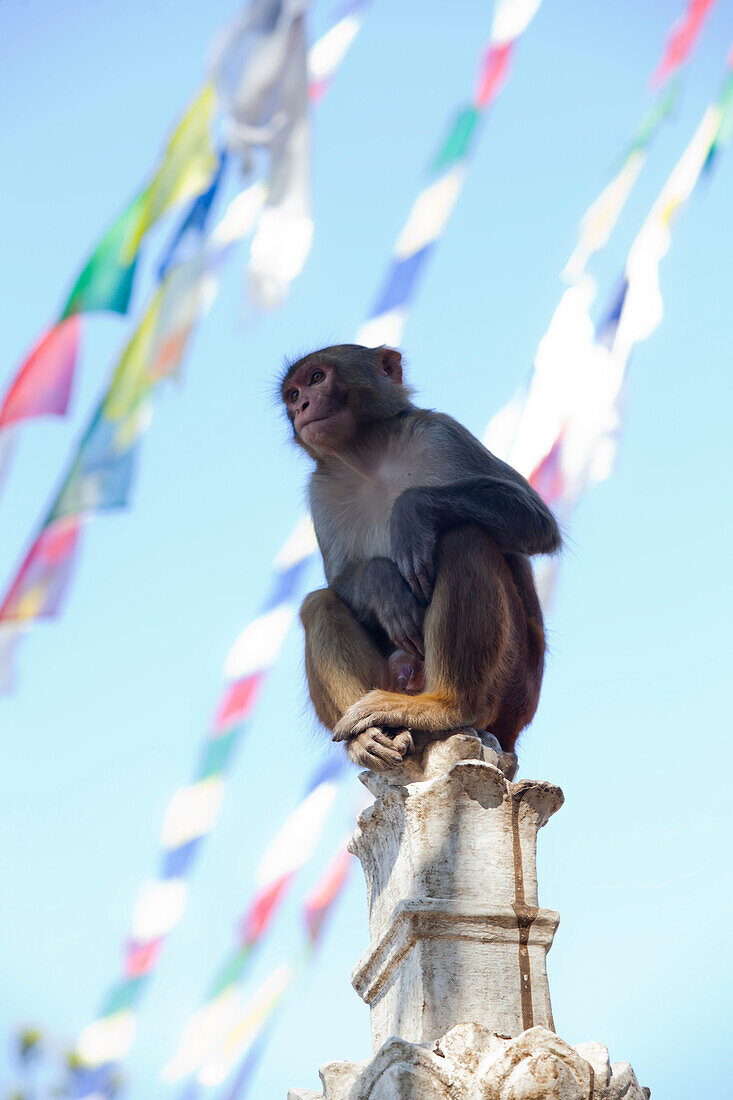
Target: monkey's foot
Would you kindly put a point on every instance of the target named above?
(395, 711)
(377, 750)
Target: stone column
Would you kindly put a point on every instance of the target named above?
(456, 929)
(455, 972)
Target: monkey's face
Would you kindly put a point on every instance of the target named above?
(316, 404)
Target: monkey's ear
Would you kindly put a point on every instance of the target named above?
(390, 363)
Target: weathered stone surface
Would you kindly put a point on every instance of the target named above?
(456, 929)
(624, 1086)
(455, 972)
(597, 1055)
(471, 1063)
(338, 1077)
(535, 1065)
(433, 757)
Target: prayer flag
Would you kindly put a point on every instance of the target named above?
(261, 74)
(40, 585)
(43, 383)
(194, 222)
(248, 1023)
(681, 39)
(106, 281)
(188, 164)
(511, 18)
(319, 901)
(494, 73)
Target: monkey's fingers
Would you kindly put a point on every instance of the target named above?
(422, 573)
(373, 749)
(403, 742)
(376, 708)
(423, 586)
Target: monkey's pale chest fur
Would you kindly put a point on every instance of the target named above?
(352, 510)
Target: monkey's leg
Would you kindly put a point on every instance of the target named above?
(343, 663)
(468, 632)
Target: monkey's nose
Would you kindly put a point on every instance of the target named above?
(304, 406)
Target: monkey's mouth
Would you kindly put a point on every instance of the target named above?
(312, 420)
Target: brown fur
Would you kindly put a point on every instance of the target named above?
(425, 537)
(484, 654)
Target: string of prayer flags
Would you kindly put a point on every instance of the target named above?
(190, 169)
(429, 216)
(102, 472)
(191, 815)
(601, 217)
(286, 854)
(248, 1023)
(43, 382)
(563, 433)
(252, 1057)
(193, 810)
(154, 352)
(245, 1040)
(642, 306)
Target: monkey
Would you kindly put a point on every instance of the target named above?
(430, 621)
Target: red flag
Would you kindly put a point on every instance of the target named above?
(681, 40)
(262, 909)
(140, 957)
(547, 477)
(238, 700)
(318, 903)
(43, 383)
(39, 587)
(494, 72)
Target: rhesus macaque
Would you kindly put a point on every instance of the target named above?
(430, 622)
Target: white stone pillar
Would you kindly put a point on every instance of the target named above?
(457, 933)
(455, 972)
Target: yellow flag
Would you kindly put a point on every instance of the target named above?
(187, 166)
(126, 400)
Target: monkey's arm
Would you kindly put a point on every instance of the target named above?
(515, 516)
(376, 590)
(477, 487)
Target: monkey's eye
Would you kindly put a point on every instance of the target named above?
(293, 395)
(317, 376)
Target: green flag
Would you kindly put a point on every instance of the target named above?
(106, 281)
(456, 144)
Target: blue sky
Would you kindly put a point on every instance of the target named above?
(113, 700)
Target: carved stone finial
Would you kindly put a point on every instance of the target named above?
(471, 1063)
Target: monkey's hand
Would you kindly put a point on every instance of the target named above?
(387, 595)
(379, 751)
(413, 531)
